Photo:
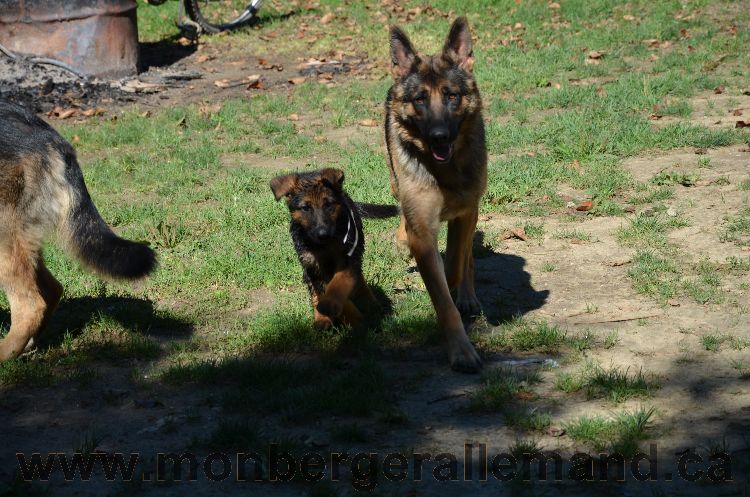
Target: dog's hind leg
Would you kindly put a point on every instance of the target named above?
(33, 294)
(459, 263)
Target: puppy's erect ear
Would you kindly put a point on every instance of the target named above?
(458, 44)
(402, 53)
(334, 176)
(281, 186)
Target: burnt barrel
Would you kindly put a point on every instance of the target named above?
(95, 37)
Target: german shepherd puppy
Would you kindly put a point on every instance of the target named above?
(434, 135)
(41, 191)
(326, 229)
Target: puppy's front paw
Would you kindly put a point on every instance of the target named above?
(329, 307)
(322, 324)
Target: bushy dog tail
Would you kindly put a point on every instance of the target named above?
(377, 211)
(91, 240)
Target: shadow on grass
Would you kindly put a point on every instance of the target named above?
(502, 285)
(132, 314)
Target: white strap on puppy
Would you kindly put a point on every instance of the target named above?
(349, 223)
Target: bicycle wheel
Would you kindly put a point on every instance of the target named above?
(221, 15)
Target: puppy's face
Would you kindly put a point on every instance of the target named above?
(315, 201)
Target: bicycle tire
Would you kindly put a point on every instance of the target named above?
(193, 10)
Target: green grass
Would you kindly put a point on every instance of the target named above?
(192, 180)
(737, 229)
(614, 384)
(572, 234)
(520, 334)
(620, 433)
(499, 388)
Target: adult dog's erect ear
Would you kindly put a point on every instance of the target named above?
(281, 186)
(334, 176)
(458, 44)
(402, 53)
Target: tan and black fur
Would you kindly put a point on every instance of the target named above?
(326, 229)
(435, 141)
(42, 191)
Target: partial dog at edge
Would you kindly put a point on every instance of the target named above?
(435, 141)
(41, 191)
(326, 229)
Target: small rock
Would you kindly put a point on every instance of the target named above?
(671, 212)
(673, 302)
(570, 205)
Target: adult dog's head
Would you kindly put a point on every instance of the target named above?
(434, 95)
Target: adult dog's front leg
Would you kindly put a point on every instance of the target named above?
(423, 246)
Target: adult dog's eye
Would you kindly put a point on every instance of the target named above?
(453, 97)
(305, 208)
(419, 101)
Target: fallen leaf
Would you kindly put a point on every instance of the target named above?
(596, 54)
(146, 114)
(327, 18)
(736, 112)
(66, 113)
(554, 5)
(368, 123)
(96, 111)
(203, 58)
(628, 17)
(297, 81)
(253, 81)
(553, 431)
(518, 25)
(262, 62)
(742, 124)
(222, 83)
(619, 261)
(719, 90)
(673, 303)
(684, 33)
(586, 205)
(293, 117)
(523, 395)
(75, 139)
(517, 232)
(578, 241)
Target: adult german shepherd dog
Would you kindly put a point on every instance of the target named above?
(434, 134)
(41, 191)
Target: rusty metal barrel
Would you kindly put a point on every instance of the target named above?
(95, 37)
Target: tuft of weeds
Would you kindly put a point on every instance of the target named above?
(534, 230)
(615, 384)
(742, 368)
(612, 339)
(527, 447)
(621, 433)
(571, 234)
(548, 267)
(618, 384)
(737, 229)
(712, 342)
(675, 178)
(500, 386)
(655, 195)
(654, 275)
(36, 373)
(745, 185)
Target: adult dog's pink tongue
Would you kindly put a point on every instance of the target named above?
(441, 153)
